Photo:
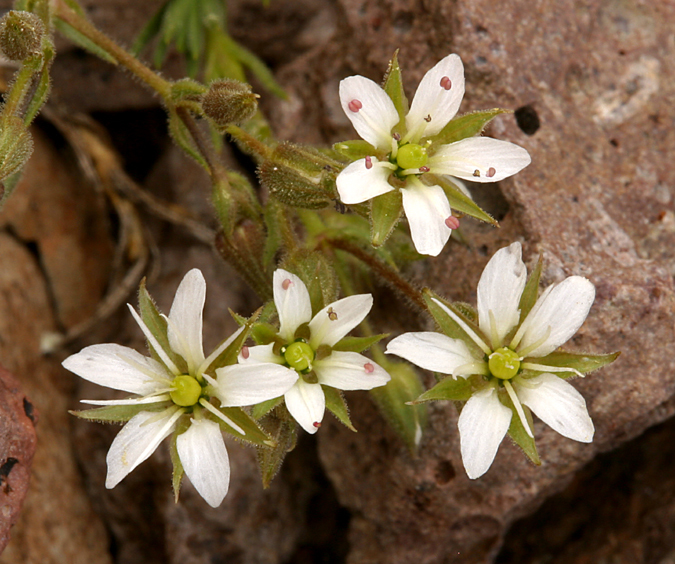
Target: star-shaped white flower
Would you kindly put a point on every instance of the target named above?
(171, 394)
(554, 319)
(310, 361)
(411, 155)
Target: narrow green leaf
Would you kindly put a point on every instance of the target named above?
(385, 212)
(518, 433)
(82, 41)
(253, 432)
(448, 388)
(358, 344)
(355, 150)
(43, 85)
(262, 409)
(409, 421)
(531, 290)
(393, 86)
(150, 30)
(448, 325)
(459, 201)
(336, 404)
(117, 413)
(158, 327)
(584, 363)
(183, 139)
(465, 126)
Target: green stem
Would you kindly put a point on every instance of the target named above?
(21, 84)
(80, 23)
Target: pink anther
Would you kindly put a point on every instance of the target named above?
(316, 424)
(369, 368)
(491, 172)
(446, 83)
(424, 169)
(355, 105)
(286, 283)
(452, 222)
(245, 353)
(369, 163)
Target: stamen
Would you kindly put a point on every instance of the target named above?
(355, 105)
(245, 353)
(332, 315)
(547, 368)
(476, 172)
(446, 83)
(369, 368)
(518, 406)
(428, 118)
(316, 424)
(452, 222)
(470, 332)
(397, 136)
(424, 169)
(369, 163)
(491, 172)
(286, 283)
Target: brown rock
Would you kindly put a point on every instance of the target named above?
(17, 447)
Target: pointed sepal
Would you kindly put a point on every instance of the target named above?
(393, 86)
(358, 344)
(283, 429)
(448, 388)
(580, 362)
(531, 290)
(253, 432)
(459, 201)
(336, 404)
(116, 413)
(355, 149)
(465, 126)
(518, 433)
(385, 213)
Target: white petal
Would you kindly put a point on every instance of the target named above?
(350, 371)
(306, 403)
(202, 452)
(292, 300)
(218, 350)
(337, 319)
(248, 384)
(432, 99)
(499, 291)
(137, 440)
(482, 425)
(432, 351)
(427, 208)
(493, 159)
(185, 319)
(260, 354)
(377, 115)
(357, 184)
(557, 315)
(559, 405)
(119, 368)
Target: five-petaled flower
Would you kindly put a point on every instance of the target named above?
(171, 394)
(304, 351)
(411, 156)
(509, 355)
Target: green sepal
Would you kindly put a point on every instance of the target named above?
(448, 388)
(261, 409)
(448, 325)
(336, 404)
(531, 290)
(315, 270)
(584, 363)
(7, 187)
(518, 433)
(385, 213)
(180, 134)
(283, 429)
(467, 310)
(117, 413)
(157, 325)
(254, 433)
(42, 85)
(409, 421)
(187, 89)
(82, 41)
(458, 200)
(358, 344)
(465, 126)
(393, 86)
(264, 333)
(182, 425)
(355, 149)
(231, 352)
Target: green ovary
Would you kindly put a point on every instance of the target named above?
(411, 156)
(504, 363)
(186, 391)
(299, 356)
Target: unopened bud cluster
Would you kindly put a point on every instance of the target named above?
(229, 101)
(20, 35)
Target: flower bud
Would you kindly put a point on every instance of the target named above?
(20, 34)
(229, 101)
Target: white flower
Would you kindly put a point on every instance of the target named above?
(311, 362)
(410, 156)
(170, 394)
(555, 317)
